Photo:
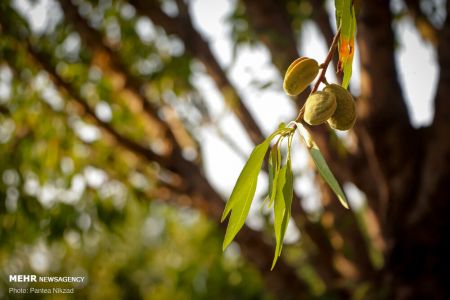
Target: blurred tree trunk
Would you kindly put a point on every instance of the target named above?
(410, 166)
(413, 164)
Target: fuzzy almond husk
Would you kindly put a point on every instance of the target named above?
(299, 75)
(345, 115)
(319, 107)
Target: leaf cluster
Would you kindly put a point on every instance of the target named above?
(281, 183)
(281, 179)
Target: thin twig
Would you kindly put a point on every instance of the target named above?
(322, 72)
(327, 61)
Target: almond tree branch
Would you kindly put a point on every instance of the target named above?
(95, 41)
(357, 163)
(271, 23)
(322, 18)
(322, 73)
(44, 62)
(280, 26)
(352, 167)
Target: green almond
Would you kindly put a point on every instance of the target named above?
(319, 107)
(299, 75)
(345, 115)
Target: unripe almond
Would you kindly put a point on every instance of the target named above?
(299, 75)
(319, 107)
(345, 115)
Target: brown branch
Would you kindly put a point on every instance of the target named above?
(270, 21)
(442, 106)
(197, 46)
(350, 168)
(321, 78)
(327, 61)
(95, 41)
(426, 29)
(356, 164)
(423, 234)
(383, 113)
(183, 8)
(434, 192)
(272, 25)
(322, 256)
(322, 19)
(44, 61)
(413, 163)
(4, 110)
(270, 16)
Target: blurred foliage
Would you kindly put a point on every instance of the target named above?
(72, 201)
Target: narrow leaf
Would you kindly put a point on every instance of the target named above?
(327, 175)
(250, 170)
(275, 161)
(346, 21)
(322, 165)
(282, 207)
(272, 163)
(347, 46)
(243, 192)
(338, 4)
(288, 192)
(279, 209)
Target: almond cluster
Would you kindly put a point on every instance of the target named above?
(334, 104)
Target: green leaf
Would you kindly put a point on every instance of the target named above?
(279, 209)
(281, 126)
(288, 192)
(338, 4)
(272, 167)
(322, 165)
(348, 36)
(282, 207)
(346, 21)
(242, 196)
(347, 14)
(243, 192)
(274, 170)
